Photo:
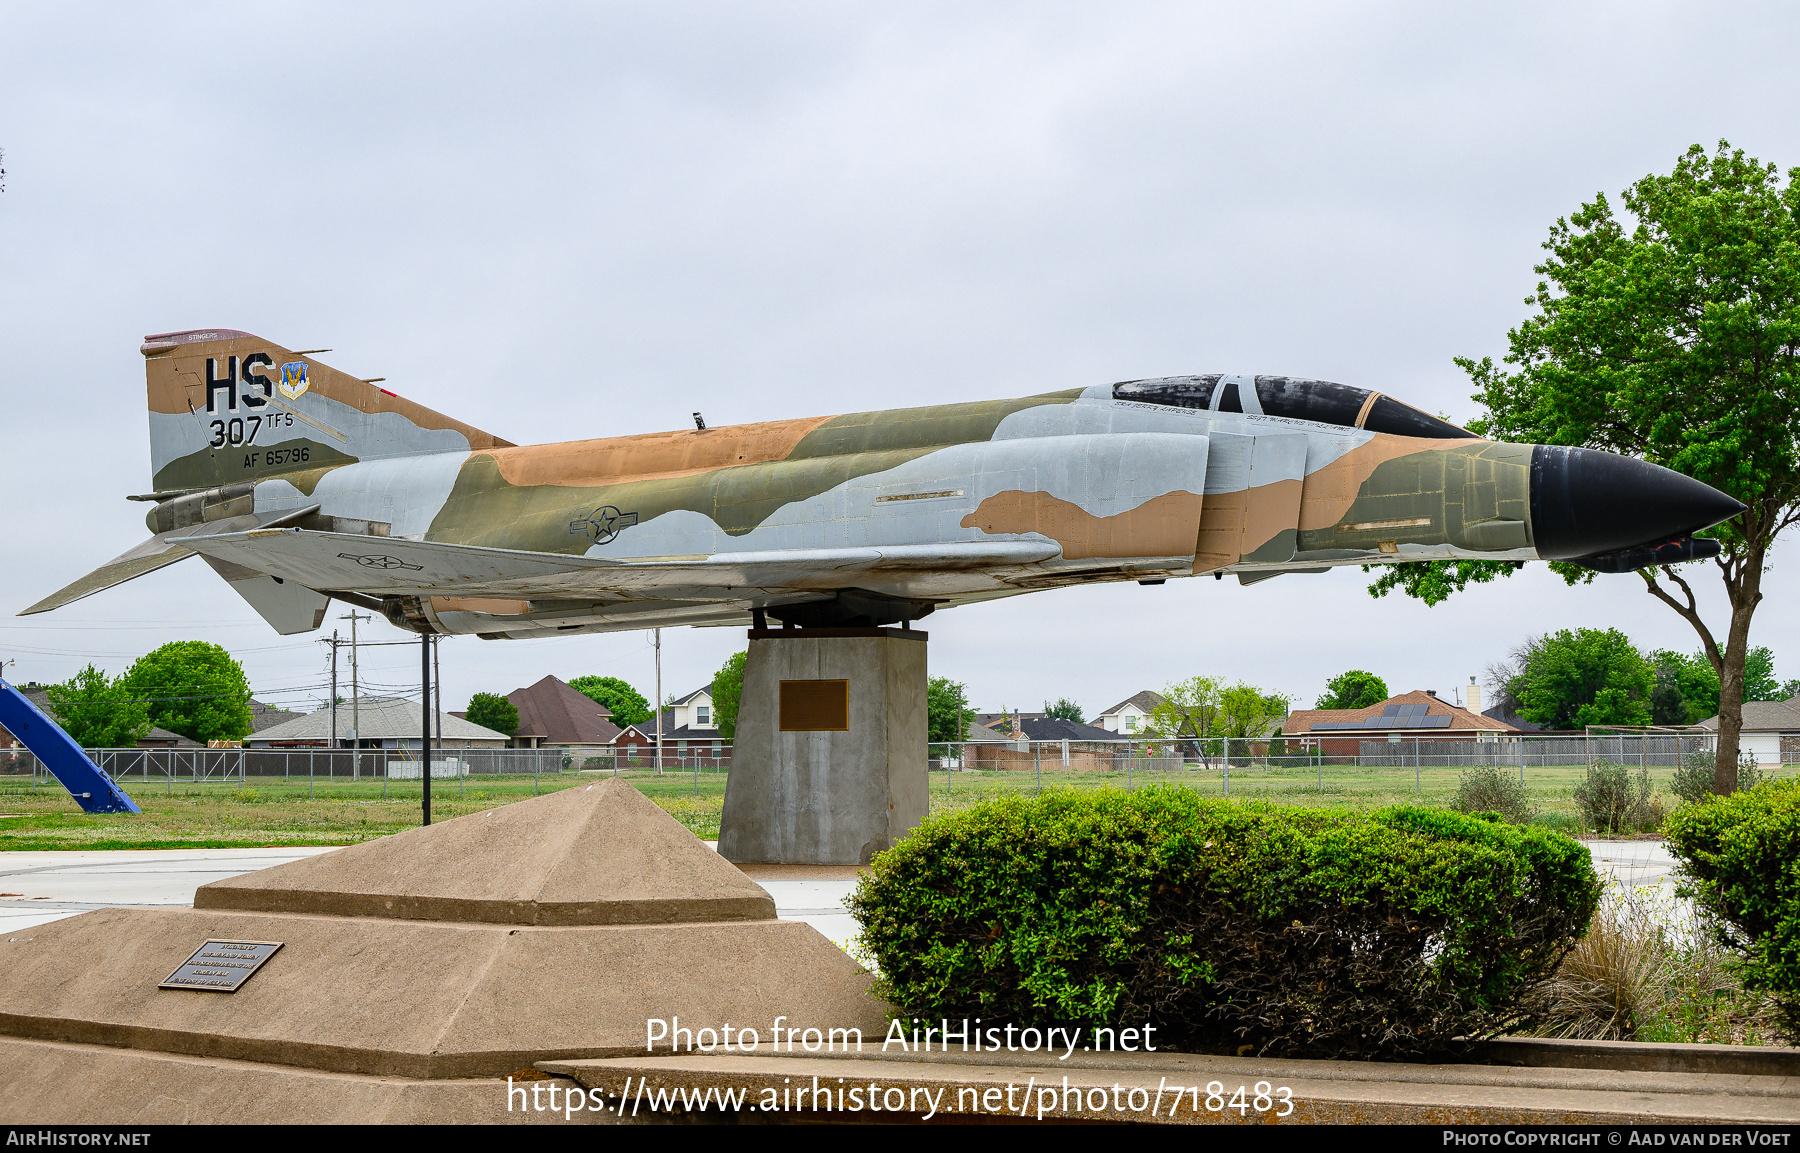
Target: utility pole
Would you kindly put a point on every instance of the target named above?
(333, 642)
(355, 695)
(658, 635)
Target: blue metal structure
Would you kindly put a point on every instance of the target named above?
(87, 782)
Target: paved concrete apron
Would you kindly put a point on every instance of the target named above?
(1634, 862)
(39, 887)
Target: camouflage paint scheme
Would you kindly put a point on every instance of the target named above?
(297, 482)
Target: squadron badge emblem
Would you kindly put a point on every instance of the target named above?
(293, 380)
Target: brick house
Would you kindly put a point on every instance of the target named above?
(1418, 714)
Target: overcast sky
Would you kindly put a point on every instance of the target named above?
(567, 221)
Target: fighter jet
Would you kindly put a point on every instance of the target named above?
(300, 484)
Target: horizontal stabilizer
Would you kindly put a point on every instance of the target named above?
(160, 551)
(153, 554)
(392, 567)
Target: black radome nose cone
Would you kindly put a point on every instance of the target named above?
(1584, 502)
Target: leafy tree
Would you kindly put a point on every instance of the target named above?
(1692, 681)
(1687, 687)
(98, 712)
(1575, 678)
(627, 705)
(1434, 581)
(1247, 711)
(1759, 676)
(1668, 705)
(493, 711)
(192, 688)
(1355, 689)
(1065, 709)
(947, 712)
(727, 690)
(1676, 339)
(1188, 711)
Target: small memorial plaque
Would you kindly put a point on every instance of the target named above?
(221, 966)
(815, 706)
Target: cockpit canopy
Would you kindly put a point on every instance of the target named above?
(1295, 397)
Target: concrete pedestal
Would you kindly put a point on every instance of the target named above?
(828, 764)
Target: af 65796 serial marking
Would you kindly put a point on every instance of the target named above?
(221, 966)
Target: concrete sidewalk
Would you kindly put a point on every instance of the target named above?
(1634, 862)
(1585, 1083)
(39, 887)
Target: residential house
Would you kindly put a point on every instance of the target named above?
(553, 713)
(989, 720)
(1042, 741)
(382, 723)
(1130, 716)
(1771, 731)
(1341, 732)
(690, 728)
(1503, 715)
(263, 716)
(1058, 729)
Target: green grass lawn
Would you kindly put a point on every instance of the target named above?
(271, 811)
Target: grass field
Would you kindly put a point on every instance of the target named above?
(270, 811)
(273, 812)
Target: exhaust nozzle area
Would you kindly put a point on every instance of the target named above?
(202, 507)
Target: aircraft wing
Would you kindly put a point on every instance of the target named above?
(160, 551)
(386, 566)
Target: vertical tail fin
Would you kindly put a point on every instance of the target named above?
(226, 407)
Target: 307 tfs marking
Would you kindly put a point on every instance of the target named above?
(243, 429)
(254, 395)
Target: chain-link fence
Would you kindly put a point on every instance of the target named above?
(137, 769)
(1421, 766)
(1297, 767)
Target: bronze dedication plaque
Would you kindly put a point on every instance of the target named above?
(221, 966)
(815, 706)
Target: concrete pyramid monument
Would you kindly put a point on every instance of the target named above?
(602, 854)
(412, 972)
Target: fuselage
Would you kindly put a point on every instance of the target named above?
(1126, 488)
(287, 475)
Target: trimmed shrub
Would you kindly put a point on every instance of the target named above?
(1741, 864)
(1489, 789)
(1694, 775)
(1234, 926)
(1612, 802)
